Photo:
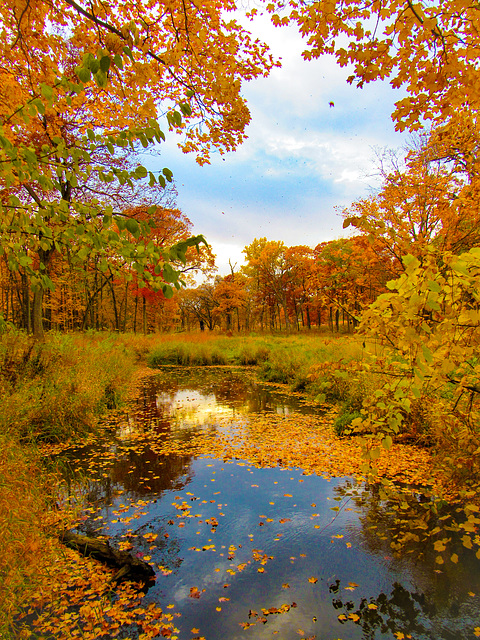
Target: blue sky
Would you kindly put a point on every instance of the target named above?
(303, 162)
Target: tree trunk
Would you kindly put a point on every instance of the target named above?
(130, 567)
(38, 332)
(144, 311)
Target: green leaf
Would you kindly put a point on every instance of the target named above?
(141, 172)
(169, 274)
(101, 78)
(105, 63)
(168, 174)
(46, 91)
(185, 108)
(83, 74)
(427, 354)
(387, 443)
(434, 286)
(132, 226)
(121, 222)
(127, 51)
(117, 61)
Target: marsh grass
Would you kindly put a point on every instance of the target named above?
(49, 392)
(292, 359)
(26, 551)
(57, 390)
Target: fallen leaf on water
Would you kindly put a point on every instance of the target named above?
(313, 580)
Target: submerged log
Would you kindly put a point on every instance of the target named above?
(130, 567)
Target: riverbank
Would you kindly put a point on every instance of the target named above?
(56, 392)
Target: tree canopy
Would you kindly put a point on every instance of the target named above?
(82, 88)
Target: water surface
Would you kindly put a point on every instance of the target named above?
(248, 553)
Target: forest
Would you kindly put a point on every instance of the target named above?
(99, 270)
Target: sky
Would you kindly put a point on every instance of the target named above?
(304, 161)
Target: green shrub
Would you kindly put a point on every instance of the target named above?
(344, 420)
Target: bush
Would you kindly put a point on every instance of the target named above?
(344, 420)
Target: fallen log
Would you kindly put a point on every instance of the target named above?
(129, 567)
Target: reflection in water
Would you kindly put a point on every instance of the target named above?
(255, 553)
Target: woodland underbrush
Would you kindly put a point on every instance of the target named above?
(50, 392)
(56, 390)
(26, 550)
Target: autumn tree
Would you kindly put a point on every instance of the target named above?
(416, 206)
(231, 296)
(75, 80)
(430, 48)
(268, 272)
(199, 305)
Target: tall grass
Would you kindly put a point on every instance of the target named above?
(56, 390)
(304, 362)
(48, 392)
(208, 349)
(26, 553)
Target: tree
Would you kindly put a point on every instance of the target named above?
(416, 205)
(428, 326)
(231, 295)
(268, 270)
(77, 83)
(430, 48)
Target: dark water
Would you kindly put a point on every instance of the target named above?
(283, 552)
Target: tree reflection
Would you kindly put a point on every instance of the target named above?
(408, 529)
(410, 613)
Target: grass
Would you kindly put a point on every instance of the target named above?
(26, 551)
(53, 391)
(48, 392)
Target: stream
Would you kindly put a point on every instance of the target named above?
(242, 552)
